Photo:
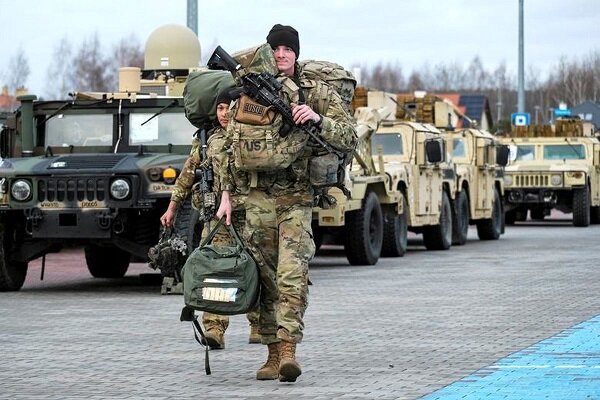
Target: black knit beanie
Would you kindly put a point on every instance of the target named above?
(284, 35)
(225, 96)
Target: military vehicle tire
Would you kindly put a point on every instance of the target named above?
(460, 219)
(106, 261)
(439, 237)
(581, 207)
(364, 232)
(491, 228)
(395, 233)
(12, 273)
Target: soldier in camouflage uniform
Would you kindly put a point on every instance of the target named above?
(279, 213)
(215, 325)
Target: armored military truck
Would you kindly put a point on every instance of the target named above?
(478, 160)
(553, 167)
(97, 170)
(413, 155)
(374, 220)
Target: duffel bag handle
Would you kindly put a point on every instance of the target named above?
(213, 232)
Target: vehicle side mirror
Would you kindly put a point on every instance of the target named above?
(502, 153)
(434, 150)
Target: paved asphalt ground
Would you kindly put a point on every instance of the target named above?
(510, 319)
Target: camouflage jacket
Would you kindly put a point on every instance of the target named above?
(216, 142)
(337, 129)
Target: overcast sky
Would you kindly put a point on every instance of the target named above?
(407, 32)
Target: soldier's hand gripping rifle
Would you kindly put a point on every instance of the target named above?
(204, 182)
(264, 88)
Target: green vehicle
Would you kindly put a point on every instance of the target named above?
(96, 171)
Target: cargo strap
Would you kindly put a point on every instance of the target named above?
(187, 314)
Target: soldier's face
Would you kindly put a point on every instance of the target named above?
(285, 58)
(222, 110)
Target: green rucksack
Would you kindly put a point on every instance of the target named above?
(341, 80)
(200, 95)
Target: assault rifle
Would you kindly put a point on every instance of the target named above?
(204, 181)
(264, 88)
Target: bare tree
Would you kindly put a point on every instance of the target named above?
(476, 77)
(91, 68)
(18, 71)
(415, 82)
(126, 53)
(60, 75)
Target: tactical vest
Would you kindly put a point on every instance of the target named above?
(256, 131)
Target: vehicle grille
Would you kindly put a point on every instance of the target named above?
(531, 180)
(70, 189)
(87, 162)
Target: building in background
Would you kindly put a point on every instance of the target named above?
(589, 111)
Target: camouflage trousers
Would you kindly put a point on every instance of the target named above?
(279, 235)
(223, 238)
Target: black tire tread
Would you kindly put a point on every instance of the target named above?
(358, 241)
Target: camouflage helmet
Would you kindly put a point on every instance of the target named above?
(169, 254)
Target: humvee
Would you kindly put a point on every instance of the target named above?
(553, 167)
(478, 160)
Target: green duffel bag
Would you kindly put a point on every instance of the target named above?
(200, 95)
(221, 279)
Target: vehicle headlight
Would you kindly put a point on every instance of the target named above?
(119, 189)
(508, 180)
(556, 180)
(21, 190)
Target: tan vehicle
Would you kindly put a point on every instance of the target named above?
(413, 155)
(479, 160)
(474, 174)
(553, 167)
(375, 219)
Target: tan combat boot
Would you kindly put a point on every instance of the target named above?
(289, 369)
(269, 370)
(254, 335)
(215, 338)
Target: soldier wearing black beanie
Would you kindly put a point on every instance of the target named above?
(284, 35)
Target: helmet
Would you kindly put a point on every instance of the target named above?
(169, 254)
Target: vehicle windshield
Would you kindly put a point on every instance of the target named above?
(66, 130)
(564, 152)
(163, 129)
(458, 148)
(522, 152)
(390, 142)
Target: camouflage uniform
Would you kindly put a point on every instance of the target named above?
(183, 186)
(278, 223)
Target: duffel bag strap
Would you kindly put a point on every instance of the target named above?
(187, 314)
(212, 232)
